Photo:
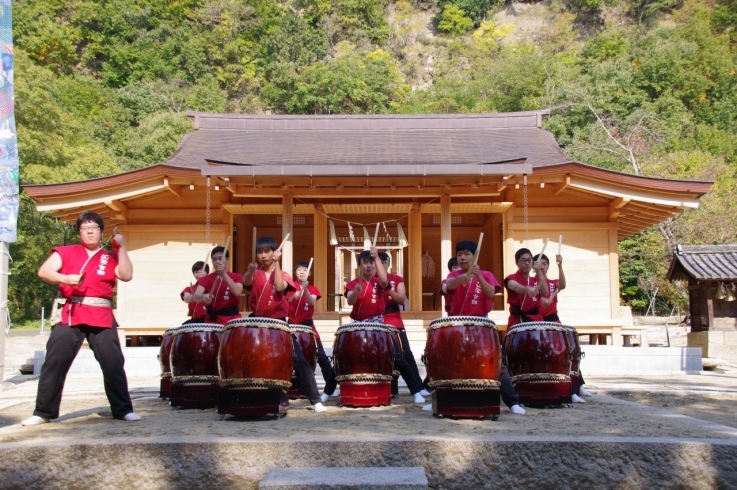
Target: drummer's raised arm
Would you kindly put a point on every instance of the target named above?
(380, 270)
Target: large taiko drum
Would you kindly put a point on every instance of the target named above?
(463, 360)
(576, 355)
(397, 345)
(364, 358)
(538, 356)
(255, 366)
(194, 365)
(306, 340)
(164, 362)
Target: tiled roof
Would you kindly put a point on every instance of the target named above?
(704, 262)
(377, 141)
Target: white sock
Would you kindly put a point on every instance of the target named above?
(35, 420)
(324, 397)
(425, 393)
(517, 409)
(427, 408)
(132, 417)
(577, 399)
(319, 407)
(584, 392)
(336, 392)
(418, 398)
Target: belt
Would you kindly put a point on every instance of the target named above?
(227, 311)
(91, 301)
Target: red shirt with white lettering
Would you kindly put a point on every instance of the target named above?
(301, 311)
(195, 310)
(370, 301)
(223, 297)
(98, 282)
(266, 301)
(552, 308)
(393, 317)
(522, 303)
(470, 300)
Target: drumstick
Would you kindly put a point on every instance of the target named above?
(476, 255)
(539, 257)
(283, 242)
(81, 278)
(376, 234)
(560, 242)
(253, 247)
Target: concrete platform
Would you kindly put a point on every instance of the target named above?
(354, 478)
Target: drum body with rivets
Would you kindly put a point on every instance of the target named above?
(364, 357)
(538, 356)
(164, 362)
(194, 368)
(255, 367)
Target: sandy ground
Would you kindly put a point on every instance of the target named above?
(667, 406)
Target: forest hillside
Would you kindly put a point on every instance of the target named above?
(640, 86)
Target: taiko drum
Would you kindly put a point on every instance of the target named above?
(194, 366)
(364, 358)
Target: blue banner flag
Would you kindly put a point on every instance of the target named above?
(8, 141)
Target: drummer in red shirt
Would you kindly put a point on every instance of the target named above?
(197, 311)
(87, 275)
(524, 290)
(474, 296)
(549, 308)
(270, 287)
(367, 295)
(220, 290)
(301, 311)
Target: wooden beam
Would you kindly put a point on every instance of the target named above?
(98, 197)
(119, 207)
(603, 225)
(503, 185)
(616, 206)
(174, 189)
(320, 264)
(564, 186)
(415, 259)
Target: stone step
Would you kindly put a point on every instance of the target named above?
(339, 478)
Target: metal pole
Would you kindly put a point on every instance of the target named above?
(4, 254)
(43, 320)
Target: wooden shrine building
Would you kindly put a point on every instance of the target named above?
(710, 273)
(442, 178)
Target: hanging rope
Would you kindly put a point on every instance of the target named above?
(207, 216)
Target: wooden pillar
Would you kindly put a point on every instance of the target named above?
(320, 259)
(415, 258)
(446, 241)
(287, 222)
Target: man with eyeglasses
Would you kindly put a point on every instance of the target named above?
(86, 274)
(524, 290)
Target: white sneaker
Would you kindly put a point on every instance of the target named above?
(336, 392)
(584, 392)
(35, 420)
(324, 397)
(319, 407)
(517, 409)
(132, 417)
(425, 393)
(577, 399)
(427, 408)
(418, 398)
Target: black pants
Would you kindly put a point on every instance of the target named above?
(305, 375)
(414, 383)
(61, 349)
(509, 394)
(328, 373)
(410, 357)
